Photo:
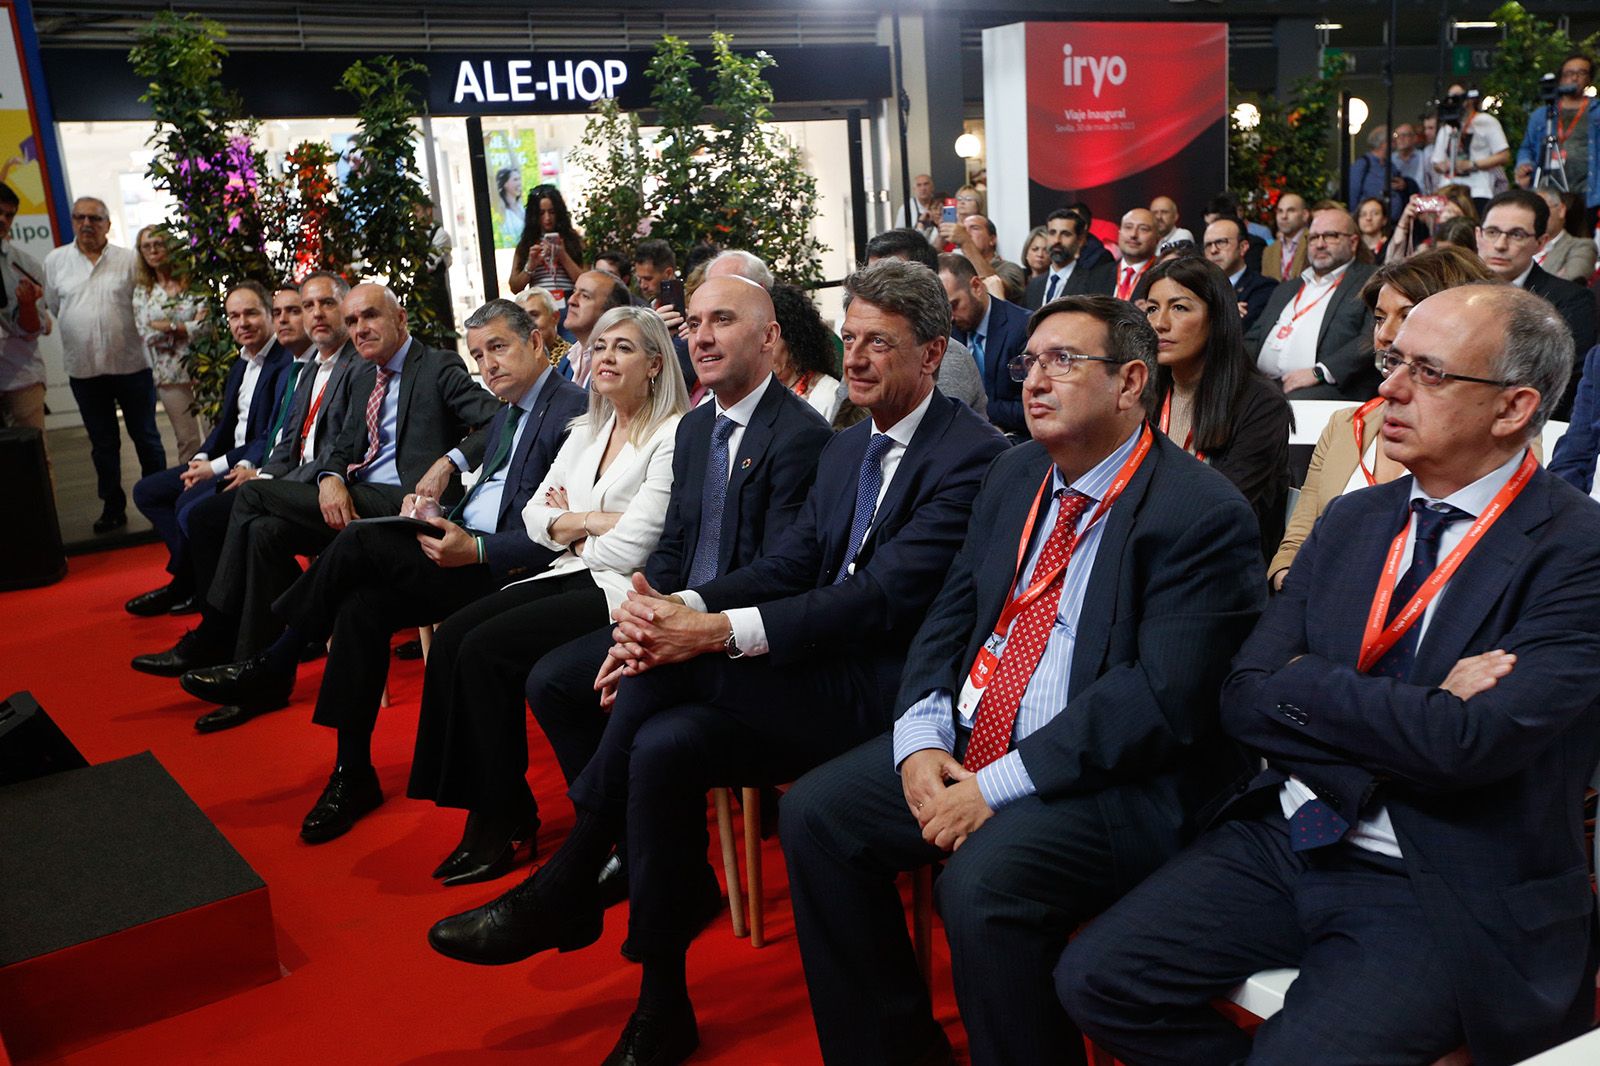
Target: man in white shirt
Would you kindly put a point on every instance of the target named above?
(88, 287)
(1314, 336)
(1467, 153)
(22, 374)
(236, 446)
(1137, 240)
(1168, 232)
(920, 213)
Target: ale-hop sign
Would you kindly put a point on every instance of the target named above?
(492, 81)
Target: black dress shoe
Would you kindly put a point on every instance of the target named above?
(656, 1038)
(515, 926)
(190, 604)
(410, 651)
(110, 520)
(314, 650)
(492, 858)
(348, 795)
(150, 604)
(230, 716)
(190, 653)
(705, 911)
(254, 681)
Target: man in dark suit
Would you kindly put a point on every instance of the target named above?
(1315, 334)
(794, 659)
(373, 578)
(1227, 244)
(237, 443)
(1072, 272)
(409, 406)
(994, 331)
(756, 442)
(1064, 747)
(1512, 233)
(1415, 845)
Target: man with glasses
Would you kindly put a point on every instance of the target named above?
(1425, 691)
(1056, 721)
(88, 287)
(1315, 335)
(1512, 233)
(1577, 134)
(1226, 245)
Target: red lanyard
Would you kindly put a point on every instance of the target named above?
(1042, 581)
(1166, 415)
(1378, 638)
(1358, 421)
(801, 384)
(1564, 129)
(1288, 327)
(311, 416)
(1125, 290)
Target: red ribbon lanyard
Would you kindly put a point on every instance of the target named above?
(1288, 327)
(1166, 416)
(1378, 638)
(983, 668)
(1125, 291)
(1359, 422)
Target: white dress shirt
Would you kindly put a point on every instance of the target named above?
(253, 362)
(93, 304)
(1298, 351)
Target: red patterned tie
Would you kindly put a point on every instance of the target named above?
(374, 418)
(997, 711)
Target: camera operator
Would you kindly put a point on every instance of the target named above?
(1573, 119)
(1469, 145)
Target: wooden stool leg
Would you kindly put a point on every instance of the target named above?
(730, 860)
(425, 638)
(751, 798)
(922, 921)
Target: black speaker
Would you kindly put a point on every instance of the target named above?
(31, 745)
(30, 537)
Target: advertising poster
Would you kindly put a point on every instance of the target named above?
(21, 154)
(512, 157)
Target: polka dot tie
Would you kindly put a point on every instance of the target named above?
(997, 711)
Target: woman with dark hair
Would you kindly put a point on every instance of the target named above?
(549, 253)
(1372, 222)
(508, 186)
(1207, 394)
(803, 360)
(1457, 203)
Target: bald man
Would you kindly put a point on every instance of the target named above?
(1165, 211)
(1137, 240)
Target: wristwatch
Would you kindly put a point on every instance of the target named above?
(730, 646)
(1321, 375)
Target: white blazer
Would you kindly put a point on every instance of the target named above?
(638, 483)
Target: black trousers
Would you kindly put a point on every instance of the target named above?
(679, 730)
(472, 734)
(271, 523)
(369, 582)
(561, 694)
(1372, 989)
(98, 398)
(1009, 898)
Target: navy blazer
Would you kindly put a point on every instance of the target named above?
(1008, 335)
(772, 472)
(284, 461)
(1575, 305)
(440, 405)
(258, 420)
(509, 552)
(1578, 448)
(1344, 341)
(1485, 794)
(1254, 290)
(1175, 589)
(865, 624)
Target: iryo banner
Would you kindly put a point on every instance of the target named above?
(1112, 114)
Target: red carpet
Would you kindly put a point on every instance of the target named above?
(362, 985)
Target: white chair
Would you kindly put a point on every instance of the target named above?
(1579, 1051)
(1311, 418)
(1553, 431)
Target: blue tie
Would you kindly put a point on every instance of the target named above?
(713, 494)
(1315, 824)
(1050, 287)
(977, 350)
(868, 481)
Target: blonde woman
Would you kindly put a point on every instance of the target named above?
(167, 310)
(599, 511)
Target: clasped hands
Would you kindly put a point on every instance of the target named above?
(653, 630)
(943, 796)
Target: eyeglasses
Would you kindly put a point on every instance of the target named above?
(1515, 236)
(1315, 237)
(1057, 363)
(89, 218)
(1219, 242)
(1427, 374)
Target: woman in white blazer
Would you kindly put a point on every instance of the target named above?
(602, 506)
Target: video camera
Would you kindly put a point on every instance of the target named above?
(1551, 89)
(1452, 107)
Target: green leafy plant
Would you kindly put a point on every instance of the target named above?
(720, 172)
(1288, 149)
(1531, 47)
(204, 157)
(385, 199)
(304, 217)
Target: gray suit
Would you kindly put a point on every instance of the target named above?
(1344, 341)
(284, 460)
(1570, 259)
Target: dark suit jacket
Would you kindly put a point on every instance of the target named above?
(1175, 588)
(1344, 343)
(440, 405)
(1098, 276)
(510, 553)
(1576, 451)
(1575, 304)
(772, 473)
(1254, 290)
(1007, 336)
(1485, 794)
(283, 462)
(865, 624)
(1256, 459)
(258, 420)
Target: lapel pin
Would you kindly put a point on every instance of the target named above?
(745, 465)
